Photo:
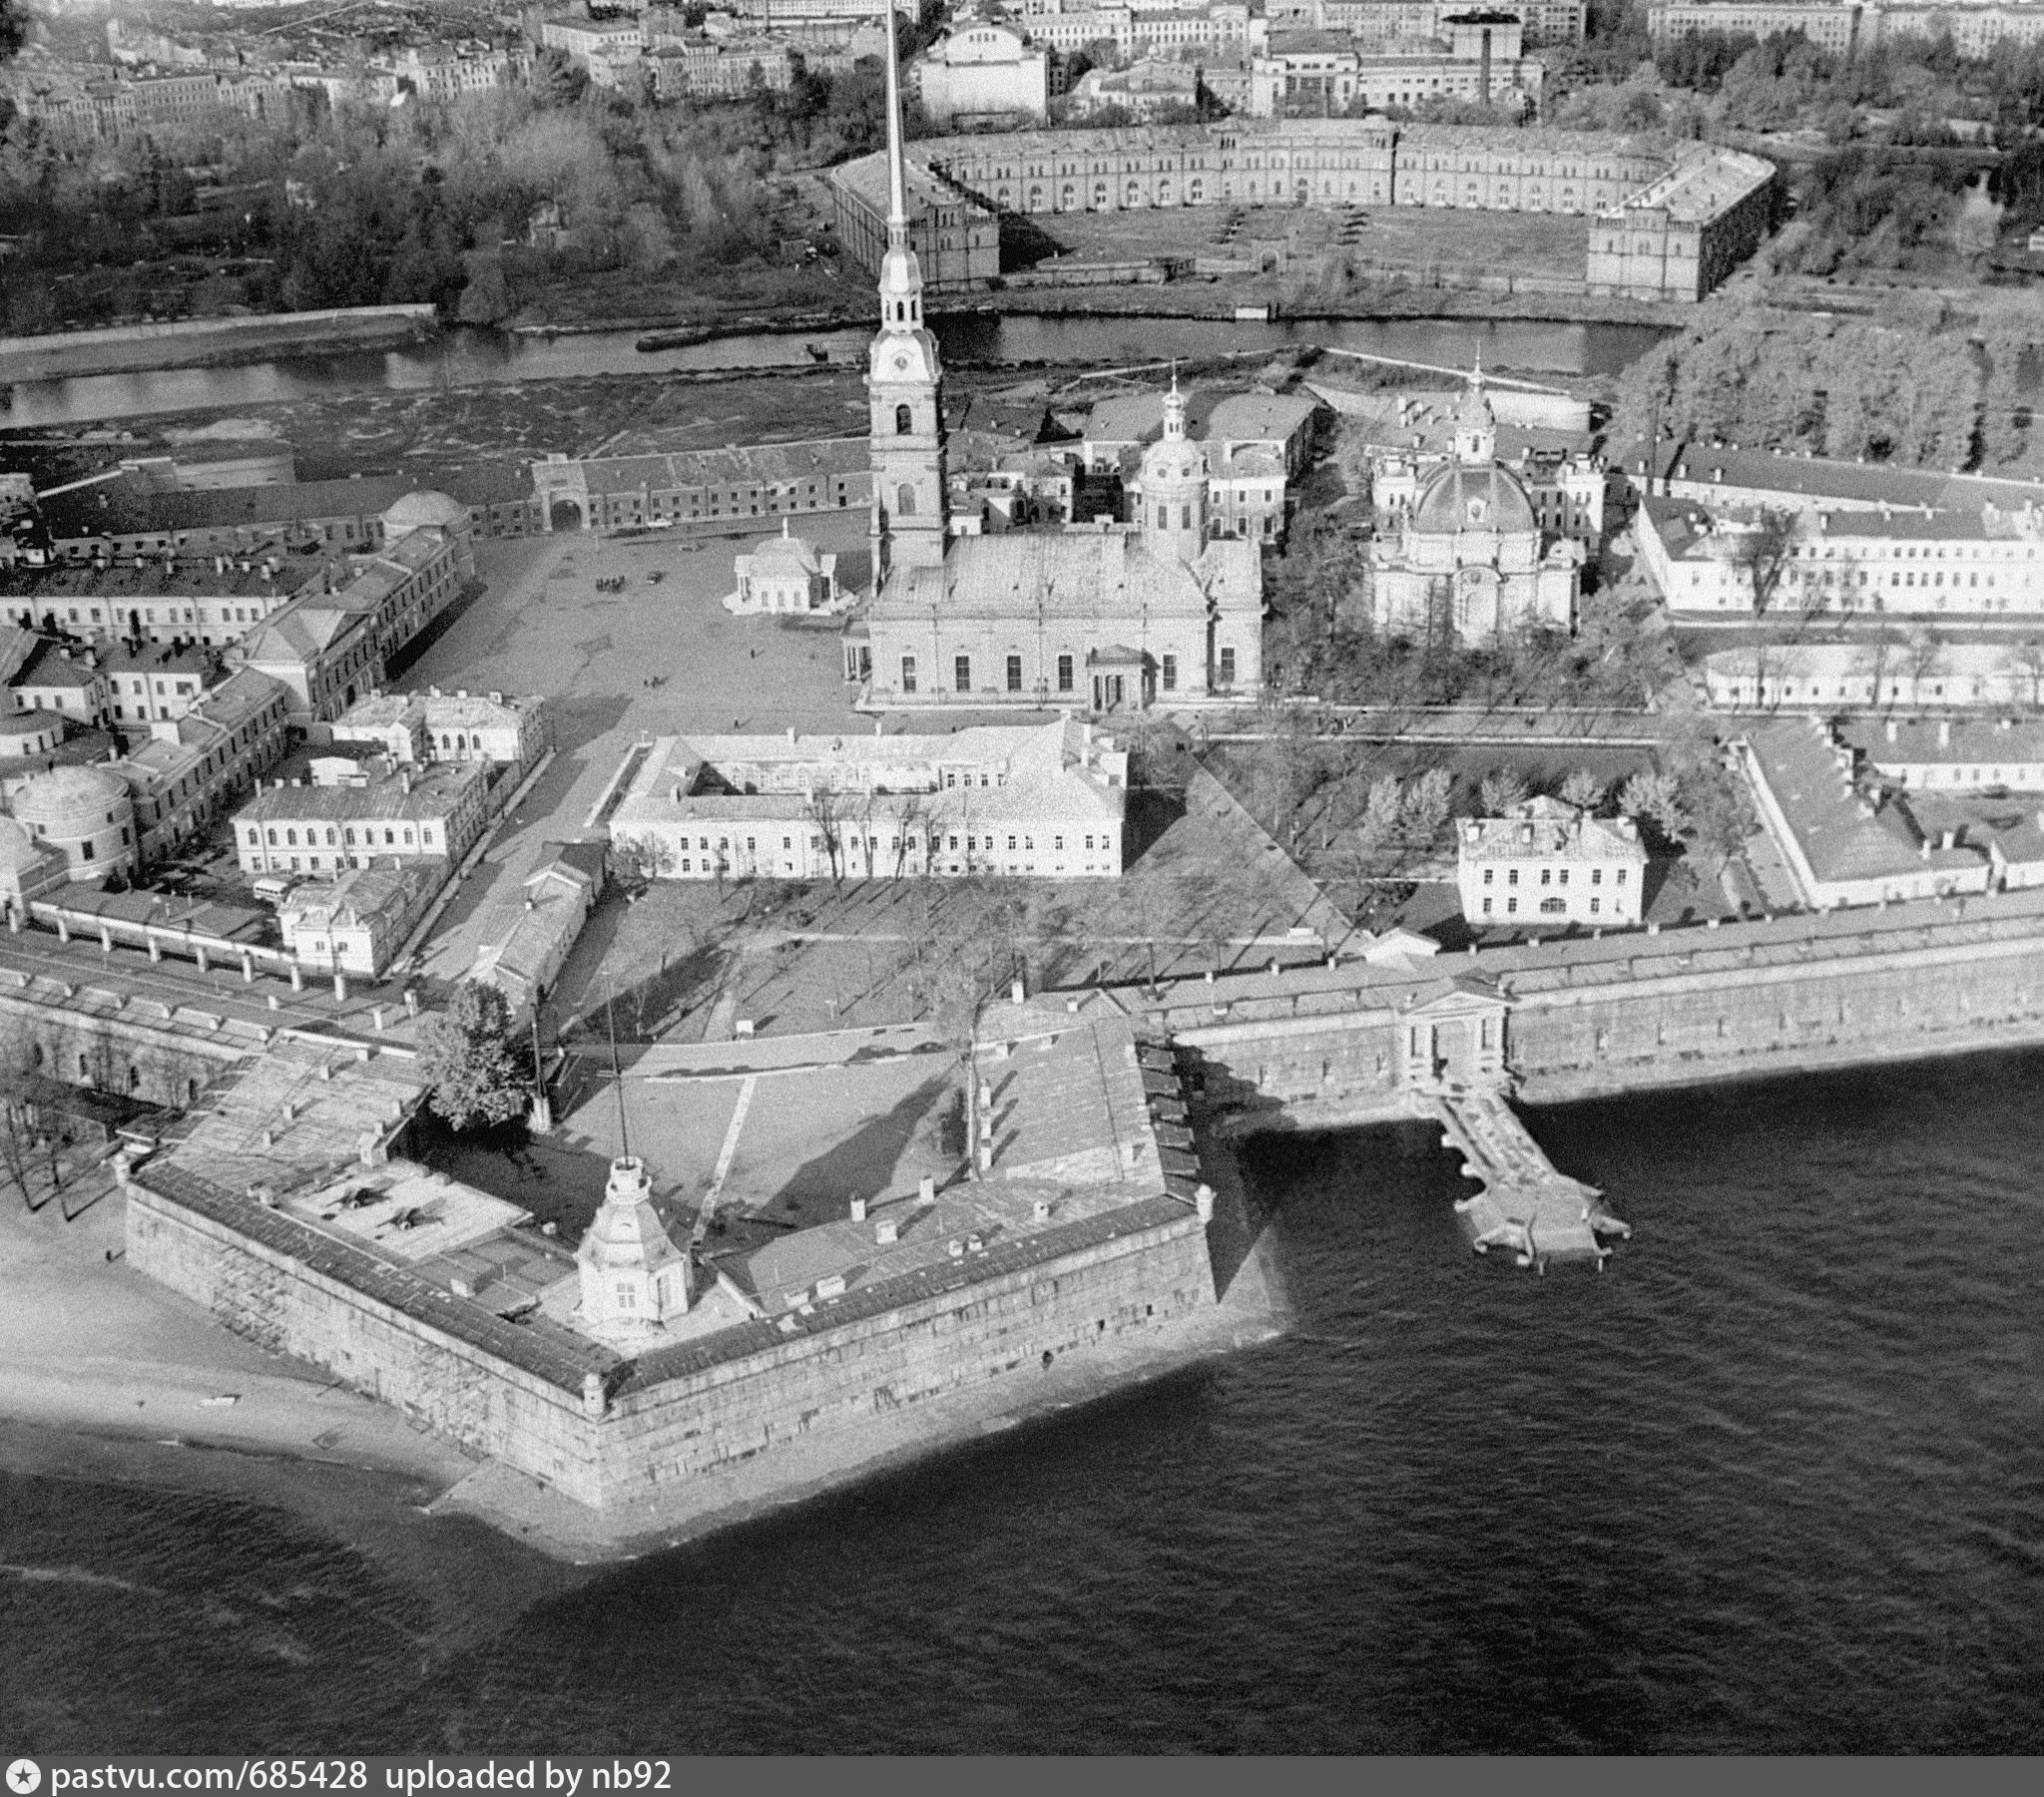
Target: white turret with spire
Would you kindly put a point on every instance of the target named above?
(1171, 486)
(635, 1280)
(1475, 421)
(905, 382)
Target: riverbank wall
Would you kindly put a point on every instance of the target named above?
(1501, 297)
(1327, 1048)
(644, 1448)
(200, 342)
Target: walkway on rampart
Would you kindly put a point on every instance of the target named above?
(1612, 958)
(1524, 1205)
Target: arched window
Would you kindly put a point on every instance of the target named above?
(905, 502)
(1164, 518)
(904, 421)
(134, 1077)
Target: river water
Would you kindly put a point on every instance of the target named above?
(466, 357)
(1774, 1481)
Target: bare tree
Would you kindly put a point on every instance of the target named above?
(826, 812)
(2025, 661)
(1876, 660)
(18, 1118)
(1921, 659)
(1763, 552)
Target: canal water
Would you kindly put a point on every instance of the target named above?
(466, 357)
(1774, 1481)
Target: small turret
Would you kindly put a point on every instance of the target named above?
(633, 1278)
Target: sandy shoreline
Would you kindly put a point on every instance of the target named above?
(105, 1374)
(93, 1348)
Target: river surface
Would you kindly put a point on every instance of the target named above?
(1774, 1481)
(466, 357)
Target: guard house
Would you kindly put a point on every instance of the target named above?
(1454, 1038)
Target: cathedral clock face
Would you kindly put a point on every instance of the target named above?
(903, 361)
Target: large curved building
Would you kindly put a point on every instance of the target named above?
(84, 812)
(1669, 220)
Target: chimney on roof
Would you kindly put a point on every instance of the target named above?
(1892, 730)
(1944, 732)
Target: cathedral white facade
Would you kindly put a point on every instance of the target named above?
(1467, 554)
(1100, 618)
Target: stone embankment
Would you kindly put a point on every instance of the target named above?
(200, 342)
(1324, 1046)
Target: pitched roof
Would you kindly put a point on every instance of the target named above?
(1104, 576)
(1843, 833)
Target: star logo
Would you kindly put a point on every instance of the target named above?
(24, 1776)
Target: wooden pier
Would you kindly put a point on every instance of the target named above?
(1525, 1204)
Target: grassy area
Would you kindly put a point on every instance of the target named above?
(1408, 237)
(1206, 890)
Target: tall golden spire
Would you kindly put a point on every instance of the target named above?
(897, 179)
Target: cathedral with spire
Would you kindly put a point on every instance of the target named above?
(1099, 617)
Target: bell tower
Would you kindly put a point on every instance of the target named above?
(904, 384)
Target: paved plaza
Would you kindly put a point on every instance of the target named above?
(542, 626)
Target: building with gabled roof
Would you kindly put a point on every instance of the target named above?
(357, 921)
(523, 960)
(1844, 840)
(433, 813)
(499, 727)
(707, 486)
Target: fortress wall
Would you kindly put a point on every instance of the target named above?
(1669, 1029)
(977, 1336)
(1299, 1072)
(113, 1053)
(1740, 1022)
(474, 1399)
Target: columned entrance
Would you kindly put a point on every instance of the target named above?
(1455, 1039)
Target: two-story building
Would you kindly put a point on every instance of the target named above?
(362, 813)
(1029, 799)
(1546, 863)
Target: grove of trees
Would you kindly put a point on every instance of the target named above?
(362, 205)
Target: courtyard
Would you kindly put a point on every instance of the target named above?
(1410, 239)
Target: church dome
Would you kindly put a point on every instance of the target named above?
(1457, 497)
